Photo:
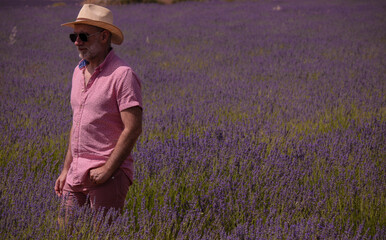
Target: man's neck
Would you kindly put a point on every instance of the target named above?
(95, 62)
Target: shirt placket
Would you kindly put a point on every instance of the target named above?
(84, 94)
(78, 119)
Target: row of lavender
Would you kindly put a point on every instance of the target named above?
(261, 120)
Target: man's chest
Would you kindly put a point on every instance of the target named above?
(86, 76)
(98, 94)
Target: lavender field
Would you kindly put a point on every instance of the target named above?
(262, 120)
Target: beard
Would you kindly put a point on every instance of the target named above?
(89, 52)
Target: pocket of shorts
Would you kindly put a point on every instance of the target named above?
(121, 181)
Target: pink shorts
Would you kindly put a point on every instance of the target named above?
(110, 194)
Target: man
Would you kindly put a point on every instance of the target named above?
(107, 116)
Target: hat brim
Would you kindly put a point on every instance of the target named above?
(116, 33)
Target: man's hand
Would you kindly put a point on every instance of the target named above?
(99, 175)
(59, 184)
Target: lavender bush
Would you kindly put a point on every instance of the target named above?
(263, 120)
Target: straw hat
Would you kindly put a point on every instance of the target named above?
(98, 16)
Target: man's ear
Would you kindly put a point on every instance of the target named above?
(105, 35)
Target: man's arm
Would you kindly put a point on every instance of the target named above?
(132, 120)
(59, 184)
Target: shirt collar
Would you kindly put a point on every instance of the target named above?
(83, 63)
(106, 61)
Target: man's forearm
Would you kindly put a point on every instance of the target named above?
(68, 158)
(122, 149)
(61, 180)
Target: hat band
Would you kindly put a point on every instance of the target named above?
(87, 19)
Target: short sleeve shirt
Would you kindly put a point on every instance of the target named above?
(96, 108)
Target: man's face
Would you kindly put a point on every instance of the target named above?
(90, 49)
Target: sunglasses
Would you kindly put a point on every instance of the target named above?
(83, 36)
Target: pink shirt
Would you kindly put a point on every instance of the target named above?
(96, 115)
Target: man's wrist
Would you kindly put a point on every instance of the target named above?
(107, 169)
(64, 171)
